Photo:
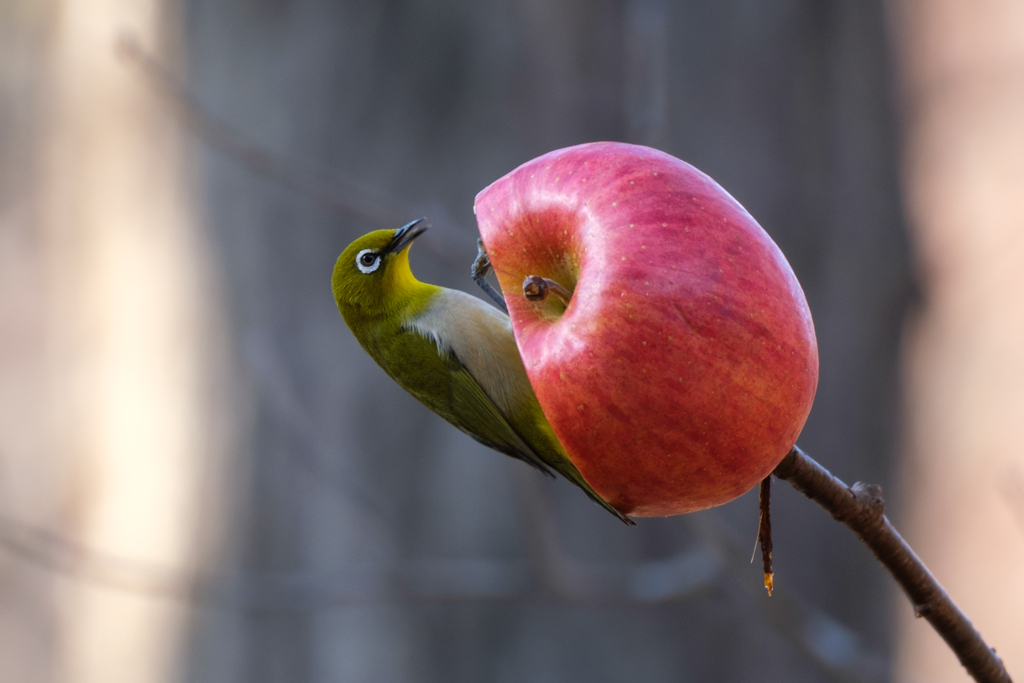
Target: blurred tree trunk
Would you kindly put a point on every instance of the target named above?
(132, 318)
(111, 425)
(962, 76)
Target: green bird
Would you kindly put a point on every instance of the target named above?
(453, 352)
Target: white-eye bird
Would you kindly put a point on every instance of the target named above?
(453, 352)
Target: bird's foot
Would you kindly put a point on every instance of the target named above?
(481, 267)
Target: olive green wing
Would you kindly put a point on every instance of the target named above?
(477, 415)
(469, 391)
(439, 380)
(535, 427)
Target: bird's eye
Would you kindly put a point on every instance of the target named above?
(368, 261)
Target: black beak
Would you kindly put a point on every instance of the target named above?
(405, 235)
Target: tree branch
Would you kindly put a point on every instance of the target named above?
(862, 509)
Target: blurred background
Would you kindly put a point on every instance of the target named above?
(204, 479)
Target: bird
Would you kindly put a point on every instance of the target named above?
(453, 352)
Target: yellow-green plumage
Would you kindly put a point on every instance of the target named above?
(454, 353)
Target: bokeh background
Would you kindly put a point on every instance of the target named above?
(204, 479)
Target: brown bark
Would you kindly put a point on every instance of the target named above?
(861, 508)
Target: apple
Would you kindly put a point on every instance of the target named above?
(681, 363)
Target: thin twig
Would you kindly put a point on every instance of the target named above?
(862, 509)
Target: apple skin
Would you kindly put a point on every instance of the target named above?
(685, 364)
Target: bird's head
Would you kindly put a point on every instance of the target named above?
(372, 275)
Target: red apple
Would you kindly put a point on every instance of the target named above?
(685, 364)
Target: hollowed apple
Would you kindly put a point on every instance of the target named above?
(684, 365)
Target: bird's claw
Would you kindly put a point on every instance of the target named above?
(481, 267)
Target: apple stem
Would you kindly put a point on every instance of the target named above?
(861, 508)
(764, 533)
(536, 288)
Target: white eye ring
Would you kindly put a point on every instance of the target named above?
(367, 269)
